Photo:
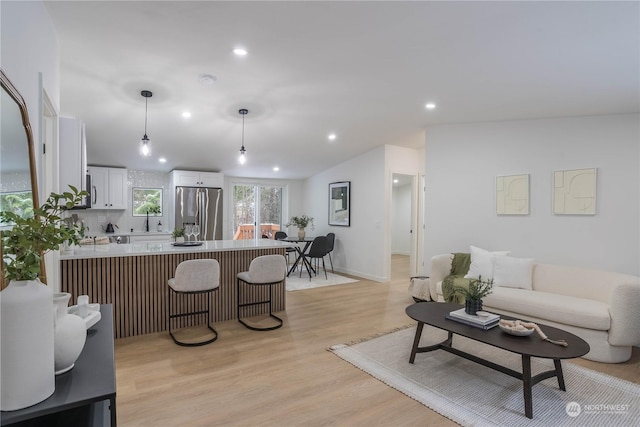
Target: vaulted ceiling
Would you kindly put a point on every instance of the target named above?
(361, 70)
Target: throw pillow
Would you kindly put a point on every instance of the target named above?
(512, 272)
(482, 263)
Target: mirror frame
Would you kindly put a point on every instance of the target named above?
(22, 105)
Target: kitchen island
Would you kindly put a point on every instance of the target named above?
(133, 277)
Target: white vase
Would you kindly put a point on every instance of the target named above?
(70, 334)
(301, 233)
(26, 334)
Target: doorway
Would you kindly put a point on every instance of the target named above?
(256, 204)
(404, 220)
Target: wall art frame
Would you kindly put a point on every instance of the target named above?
(574, 191)
(512, 195)
(340, 203)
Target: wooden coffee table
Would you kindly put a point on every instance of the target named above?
(432, 313)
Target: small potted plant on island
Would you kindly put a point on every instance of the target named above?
(473, 295)
(301, 222)
(178, 235)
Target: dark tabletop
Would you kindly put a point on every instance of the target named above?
(432, 313)
(92, 379)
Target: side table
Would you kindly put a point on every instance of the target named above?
(92, 380)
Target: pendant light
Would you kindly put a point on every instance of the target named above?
(243, 158)
(145, 142)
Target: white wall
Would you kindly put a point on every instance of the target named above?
(401, 220)
(462, 162)
(359, 249)
(29, 46)
(28, 50)
(364, 248)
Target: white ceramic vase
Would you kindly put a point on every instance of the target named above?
(26, 334)
(70, 334)
(301, 233)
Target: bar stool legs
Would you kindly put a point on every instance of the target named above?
(191, 313)
(249, 304)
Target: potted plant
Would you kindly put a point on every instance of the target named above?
(27, 306)
(473, 294)
(178, 235)
(301, 222)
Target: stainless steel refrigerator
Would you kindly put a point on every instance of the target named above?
(203, 206)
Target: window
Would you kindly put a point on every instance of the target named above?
(147, 201)
(20, 203)
(256, 204)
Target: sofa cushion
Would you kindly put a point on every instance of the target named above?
(563, 309)
(512, 272)
(482, 263)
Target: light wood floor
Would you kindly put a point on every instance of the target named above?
(286, 376)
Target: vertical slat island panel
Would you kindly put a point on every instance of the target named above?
(137, 287)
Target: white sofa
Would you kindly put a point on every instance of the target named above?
(601, 307)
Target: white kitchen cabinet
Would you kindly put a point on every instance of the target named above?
(109, 188)
(196, 179)
(73, 154)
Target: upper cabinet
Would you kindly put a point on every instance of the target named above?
(196, 179)
(73, 154)
(109, 188)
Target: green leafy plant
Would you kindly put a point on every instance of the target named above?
(302, 221)
(477, 289)
(25, 243)
(178, 232)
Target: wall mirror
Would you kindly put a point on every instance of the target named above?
(340, 203)
(147, 201)
(18, 179)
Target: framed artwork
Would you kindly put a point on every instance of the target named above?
(340, 203)
(512, 195)
(574, 192)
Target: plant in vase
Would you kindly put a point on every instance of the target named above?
(473, 294)
(178, 235)
(30, 344)
(302, 222)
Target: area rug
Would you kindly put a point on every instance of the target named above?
(473, 395)
(296, 283)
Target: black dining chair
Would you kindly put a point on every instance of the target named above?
(281, 235)
(317, 251)
(331, 239)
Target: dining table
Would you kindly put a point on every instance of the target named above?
(301, 250)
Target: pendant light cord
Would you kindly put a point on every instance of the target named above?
(146, 109)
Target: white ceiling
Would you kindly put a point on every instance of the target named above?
(363, 70)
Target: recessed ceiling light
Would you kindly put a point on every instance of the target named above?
(395, 181)
(240, 51)
(162, 160)
(276, 168)
(186, 114)
(430, 106)
(332, 137)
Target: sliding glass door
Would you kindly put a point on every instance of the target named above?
(257, 211)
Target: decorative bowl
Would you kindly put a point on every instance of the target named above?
(516, 332)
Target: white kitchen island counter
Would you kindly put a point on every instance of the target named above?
(156, 248)
(133, 277)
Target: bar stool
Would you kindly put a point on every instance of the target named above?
(265, 270)
(194, 277)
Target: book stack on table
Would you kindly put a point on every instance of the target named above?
(482, 322)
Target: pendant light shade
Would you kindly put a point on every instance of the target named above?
(145, 142)
(242, 159)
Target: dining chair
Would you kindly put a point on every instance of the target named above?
(318, 251)
(281, 235)
(192, 278)
(331, 239)
(265, 270)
